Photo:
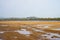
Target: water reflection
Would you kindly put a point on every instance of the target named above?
(23, 31)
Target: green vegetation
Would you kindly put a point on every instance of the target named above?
(29, 19)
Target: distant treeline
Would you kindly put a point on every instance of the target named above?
(30, 19)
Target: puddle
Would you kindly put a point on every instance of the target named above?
(51, 35)
(24, 31)
(3, 25)
(1, 39)
(46, 27)
(55, 39)
(37, 30)
(39, 25)
(15, 37)
(56, 29)
(1, 32)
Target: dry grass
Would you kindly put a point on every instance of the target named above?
(28, 22)
(17, 25)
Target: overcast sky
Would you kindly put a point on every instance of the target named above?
(26, 8)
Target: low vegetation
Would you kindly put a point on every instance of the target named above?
(8, 30)
(30, 19)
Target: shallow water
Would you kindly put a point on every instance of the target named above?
(56, 29)
(1, 39)
(1, 32)
(27, 33)
(50, 35)
(37, 30)
(4, 25)
(24, 31)
(55, 39)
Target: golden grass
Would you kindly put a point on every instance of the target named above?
(28, 22)
(17, 25)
